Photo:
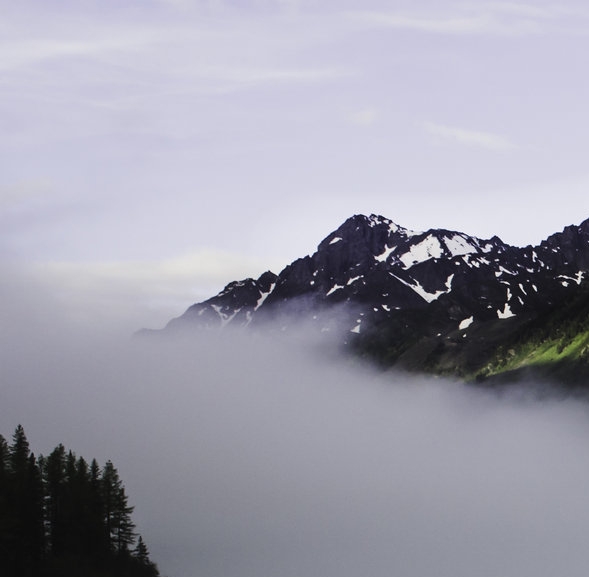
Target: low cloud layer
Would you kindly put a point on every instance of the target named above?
(251, 457)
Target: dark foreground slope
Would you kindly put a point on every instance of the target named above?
(437, 301)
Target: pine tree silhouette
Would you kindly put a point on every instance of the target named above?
(60, 517)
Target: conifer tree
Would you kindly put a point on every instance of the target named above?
(98, 539)
(34, 518)
(145, 567)
(5, 512)
(119, 525)
(25, 512)
(19, 453)
(125, 528)
(55, 489)
(4, 457)
(70, 510)
(141, 553)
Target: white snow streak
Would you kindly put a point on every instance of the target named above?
(333, 289)
(505, 313)
(426, 296)
(264, 296)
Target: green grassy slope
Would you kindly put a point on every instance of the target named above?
(552, 345)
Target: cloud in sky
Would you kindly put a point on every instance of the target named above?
(248, 456)
(477, 138)
(23, 54)
(474, 18)
(138, 49)
(465, 25)
(232, 78)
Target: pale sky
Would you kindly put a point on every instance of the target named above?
(153, 151)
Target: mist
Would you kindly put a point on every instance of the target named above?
(257, 456)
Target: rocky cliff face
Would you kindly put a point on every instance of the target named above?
(235, 304)
(395, 291)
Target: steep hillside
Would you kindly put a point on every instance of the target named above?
(553, 346)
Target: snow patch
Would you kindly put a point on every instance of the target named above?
(264, 296)
(383, 256)
(429, 247)
(471, 262)
(466, 323)
(505, 313)
(426, 296)
(225, 318)
(576, 279)
(457, 245)
(336, 239)
(333, 289)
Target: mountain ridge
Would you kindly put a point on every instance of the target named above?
(415, 300)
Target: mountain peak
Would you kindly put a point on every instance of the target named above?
(392, 288)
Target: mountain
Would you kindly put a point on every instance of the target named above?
(439, 301)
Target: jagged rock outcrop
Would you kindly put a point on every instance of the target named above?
(235, 304)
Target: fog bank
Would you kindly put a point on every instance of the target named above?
(262, 457)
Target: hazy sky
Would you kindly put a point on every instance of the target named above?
(153, 151)
(160, 149)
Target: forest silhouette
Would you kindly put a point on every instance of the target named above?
(62, 517)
